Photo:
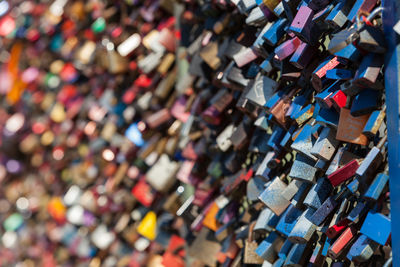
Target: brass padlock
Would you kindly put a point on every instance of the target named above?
(250, 246)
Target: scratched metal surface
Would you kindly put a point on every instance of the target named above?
(391, 15)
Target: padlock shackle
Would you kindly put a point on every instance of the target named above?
(250, 235)
(382, 141)
(374, 13)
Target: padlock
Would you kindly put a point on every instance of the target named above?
(372, 39)
(343, 39)
(350, 128)
(223, 232)
(279, 110)
(272, 196)
(209, 54)
(266, 221)
(362, 250)
(374, 122)
(268, 13)
(370, 163)
(159, 118)
(266, 66)
(339, 99)
(240, 136)
(325, 146)
(287, 138)
(368, 70)
(335, 229)
(299, 102)
(298, 199)
(357, 213)
(318, 193)
(245, 105)
(291, 190)
(376, 226)
(342, 157)
(342, 242)
(304, 229)
(205, 247)
(320, 72)
(286, 246)
(304, 142)
(244, 57)
(302, 24)
(250, 246)
(328, 242)
(257, 16)
(377, 186)
(262, 90)
(349, 52)
(276, 137)
(162, 174)
(263, 171)
(325, 209)
(344, 173)
(219, 103)
(298, 255)
(269, 247)
(275, 32)
(247, 5)
(365, 102)
(303, 169)
(223, 141)
(304, 114)
(339, 74)
(288, 220)
(338, 16)
(287, 48)
(271, 4)
(236, 79)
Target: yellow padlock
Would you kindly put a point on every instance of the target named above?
(147, 226)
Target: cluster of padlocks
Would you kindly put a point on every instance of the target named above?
(193, 133)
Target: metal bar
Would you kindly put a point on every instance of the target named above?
(391, 14)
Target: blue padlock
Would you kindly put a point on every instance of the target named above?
(304, 229)
(328, 117)
(368, 71)
(298, 255)
(276, 32)
(283, 252)
(377, 186)
(374, 122)
(298, 199)
(358, 212)
(318, 193)
(365, 102)
(362, 250)
(339, 74)
(377, 227)
(268, 248)
(350, 52)
(263, 223)
(288, 220)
